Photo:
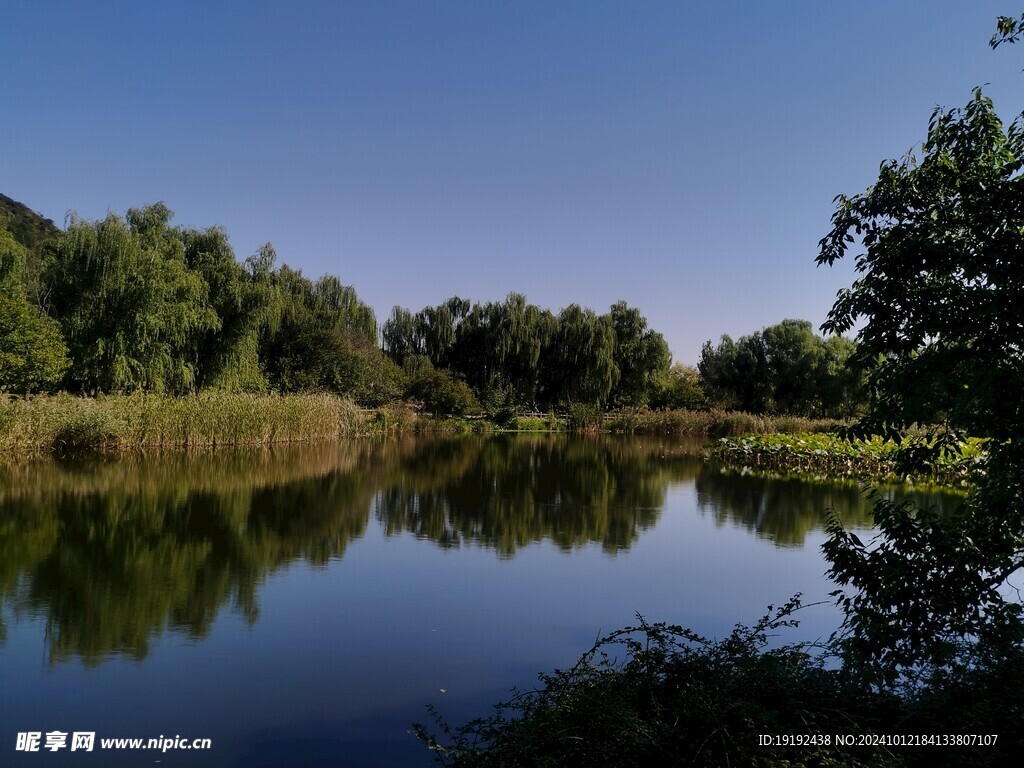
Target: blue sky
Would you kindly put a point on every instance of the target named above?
(680, 156)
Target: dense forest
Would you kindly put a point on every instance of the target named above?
(135, 303)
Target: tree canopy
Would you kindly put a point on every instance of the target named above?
(33, 355)
(940, 286)
(784, 368)
(517, 352)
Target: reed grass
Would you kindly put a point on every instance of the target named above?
(114, 423)
(713, 423)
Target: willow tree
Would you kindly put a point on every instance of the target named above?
(522, 332)
(128, 305)
(326, 340)
(641, 356)
(247, 305)
(581, 365)
(402, 337)
(500, 345)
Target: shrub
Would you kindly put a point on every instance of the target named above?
(674, 699)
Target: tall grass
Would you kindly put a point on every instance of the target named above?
(111, 423)
(712, 423)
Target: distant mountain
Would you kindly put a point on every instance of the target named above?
(27, 226)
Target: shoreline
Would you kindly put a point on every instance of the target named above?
(72, 425)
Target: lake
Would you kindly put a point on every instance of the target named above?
(301, 605)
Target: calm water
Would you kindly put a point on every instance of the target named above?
(301, 606)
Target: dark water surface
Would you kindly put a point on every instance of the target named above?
(301, 605)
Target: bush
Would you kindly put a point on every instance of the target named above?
(675, 699)
(584, 417)
(442, 392)
(662, 695)
(94, 432)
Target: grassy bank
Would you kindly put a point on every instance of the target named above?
(113, 423)
(63, 423)
(713, 423)
(829, 455)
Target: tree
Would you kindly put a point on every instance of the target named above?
(441, 392)
(681, 388)
(516, 354)
(793, 354)
(401, 335)
(784, 368)
(128, 305)
(735, 373)
(33, 355)
(840, 377)
(641, 356)
(326, 340)
(940, 287)
(247, 304)
(12, 262)
(581, 366)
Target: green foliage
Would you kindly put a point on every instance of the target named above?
(324, 339)
(523, 355)
(793, 355)
(28, 228)
(147, 306)
(940, 280)
(393, 418)
(441, 392)
(585, 417)
(97, 431)
(41, 424)
(680, 389)
(501, 405)
(734, 374)
(712, 423)
(581, 368)
(12, 263)
(128, 305)
(33, 356)
(659, 694)
(1008, 30)
(246, 303)
(830, 455)
(942, 243)
(549, 423)
(641, 357)
(784, 368)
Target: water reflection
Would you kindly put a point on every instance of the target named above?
(508, 492)
(786, 509)
(113, 554)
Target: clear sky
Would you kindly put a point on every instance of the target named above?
(682, 156)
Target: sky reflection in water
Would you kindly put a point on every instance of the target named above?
(302, 605)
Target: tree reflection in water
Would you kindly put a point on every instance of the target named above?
(113, 554)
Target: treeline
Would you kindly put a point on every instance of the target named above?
(134, 303)
(785, 368)
(516, 354)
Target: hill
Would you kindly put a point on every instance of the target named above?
(27, 226)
